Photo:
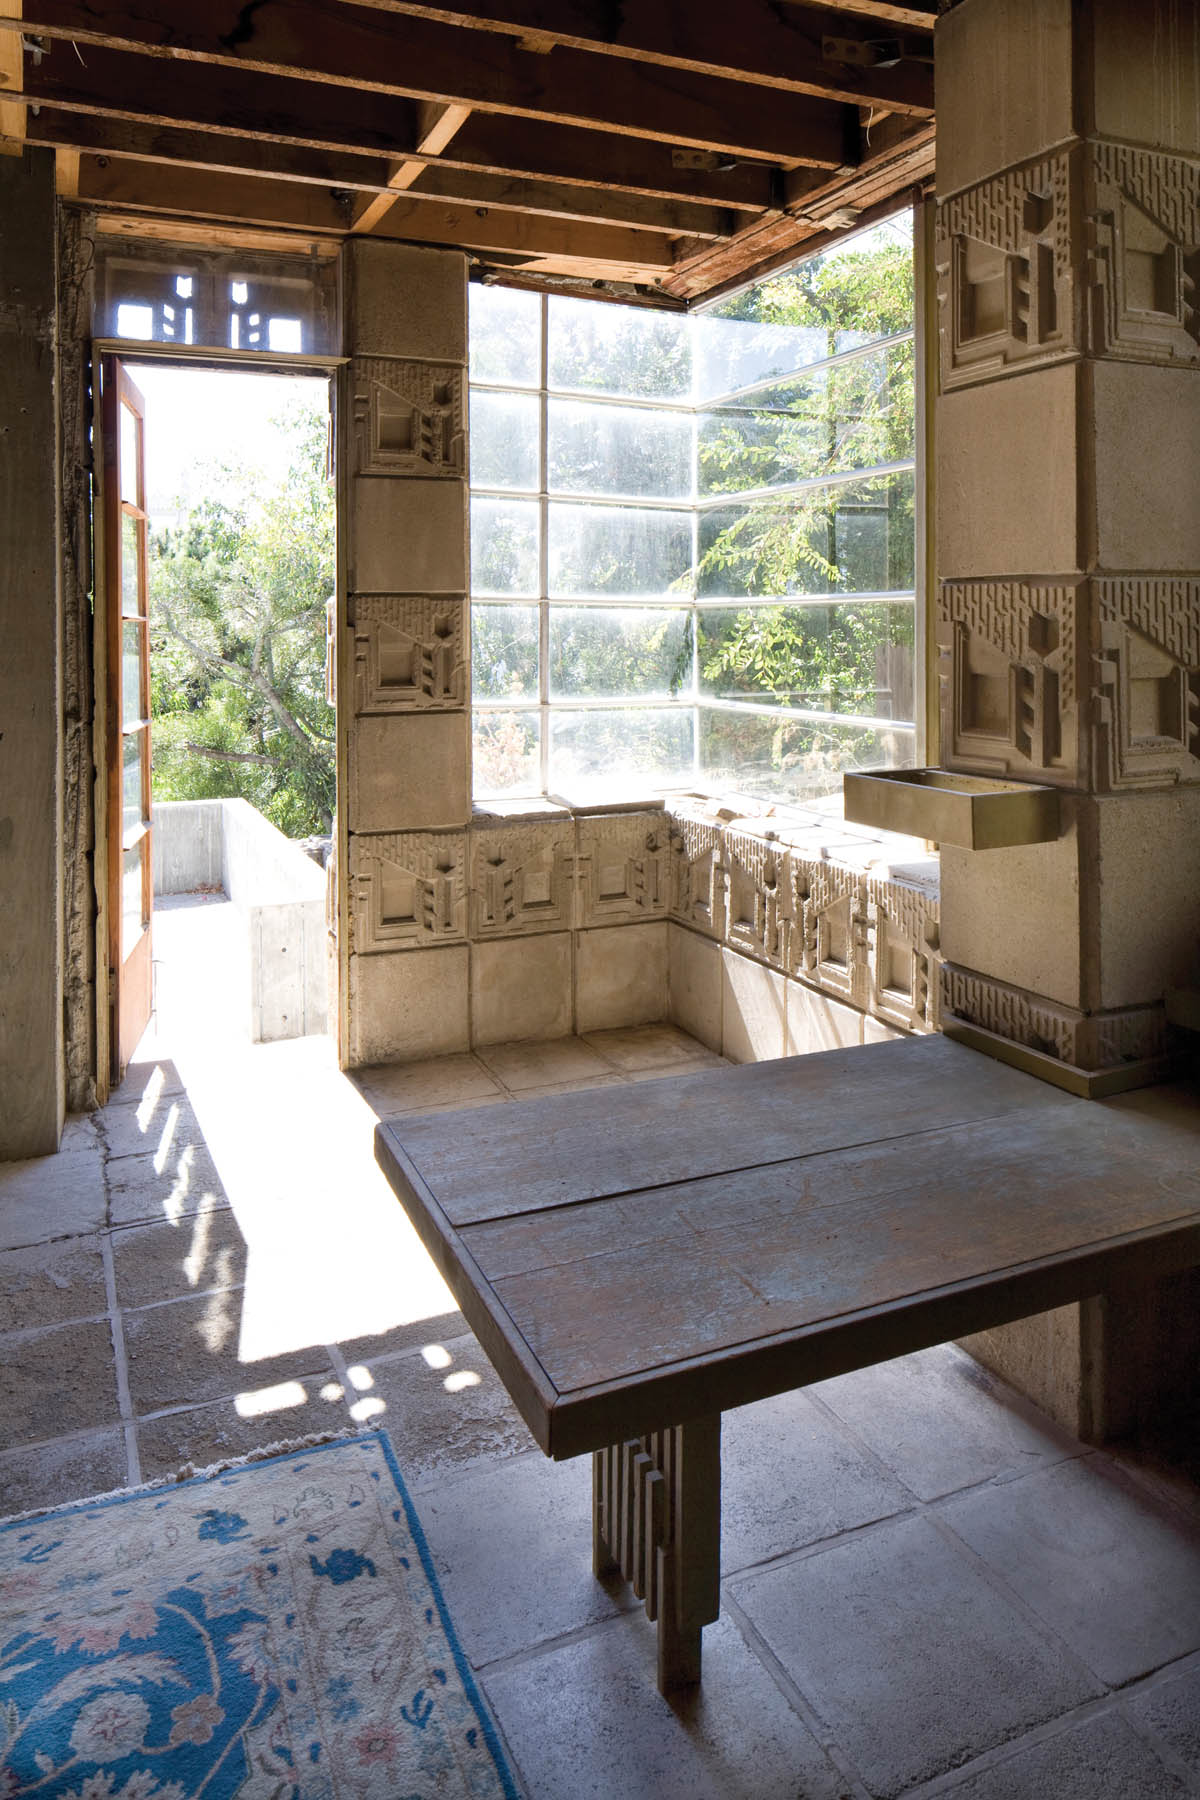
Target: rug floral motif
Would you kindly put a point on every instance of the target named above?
(273, 1633)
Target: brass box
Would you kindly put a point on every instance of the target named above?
(977, 811)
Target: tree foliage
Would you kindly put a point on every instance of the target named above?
(237, 599)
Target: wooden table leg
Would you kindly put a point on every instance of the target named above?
(656, 1520)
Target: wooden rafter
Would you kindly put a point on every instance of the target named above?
(436, 126)
(12, 112)
(367, 175)
(331, 42)
(774, 46)
(252, 200)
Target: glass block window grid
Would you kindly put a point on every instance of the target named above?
(692, 537)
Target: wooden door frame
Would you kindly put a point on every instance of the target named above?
(133, 350)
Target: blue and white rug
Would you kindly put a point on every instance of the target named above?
(273, 1633)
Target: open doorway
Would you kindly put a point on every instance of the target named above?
(220, 560)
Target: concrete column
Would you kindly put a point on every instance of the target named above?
(1068, 433)
(403, 655)
(31, 986)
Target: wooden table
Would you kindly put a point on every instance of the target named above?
(637, 1259)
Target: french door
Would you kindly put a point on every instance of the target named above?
(128, 711)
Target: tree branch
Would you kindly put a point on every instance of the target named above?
(238, 756)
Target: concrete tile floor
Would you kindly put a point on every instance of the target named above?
(928, 1589)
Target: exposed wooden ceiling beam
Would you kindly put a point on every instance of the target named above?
(776, 46)
(902, 161)
(281, 111)
(332, 42)
(436, 126)
(369, 175)
(536, 151)
(252, 200)
(12, 112)
(912, 14)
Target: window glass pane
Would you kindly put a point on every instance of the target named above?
(619, 349)
(133, 916)
(504, 440)
(602, 652)
(853, 537)
(607, 752)
(129, 456)
(837, 659)
(854, 415)
(617, 549)
(631, 450)
(860, 289)
(130, 533)
(505, 326)
(133, 811)
(504, 546)
(505, 754)
(131, 674)
(504, 652)
(782, 758)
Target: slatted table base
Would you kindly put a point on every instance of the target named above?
(656, 1520)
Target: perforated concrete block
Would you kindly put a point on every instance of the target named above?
(407, 1005)
(815, 1022)
(404, 300)
(753, 1010)
(694, 984)
(407, 536)
(1147, 451)
(521, 988)
(410, 773)
(1025, 47)
(621, 976)
(1006, 477)
(1014, 914)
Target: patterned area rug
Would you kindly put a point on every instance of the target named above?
(275, 1633)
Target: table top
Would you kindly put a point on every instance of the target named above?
(633, 1257)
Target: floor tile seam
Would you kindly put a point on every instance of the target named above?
(852, 1435)
(626, 1608)
(160, 1218)
(817, 1726)
(1071, 1719)
(1187, 1775)
(388, 1358)
(821, 1546)
(150, 1306)
(63, 1237)
(76, 1436)
(228, 1398)
(121, 1364)
(19, 1333)
(1041, 1628)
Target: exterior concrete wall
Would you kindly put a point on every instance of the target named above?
(31, 964)
(280, 893)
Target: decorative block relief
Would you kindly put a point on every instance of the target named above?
(408, 889)
(624, 867)
(697, 874)
(1143, 233)
(828, 940)
(1147, 673)
(410, 653)
(1006, 288)
(758, 900)
(409, 416)
(1085, 1040)
(1009, 678)
(522, 878)
(903, 934)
